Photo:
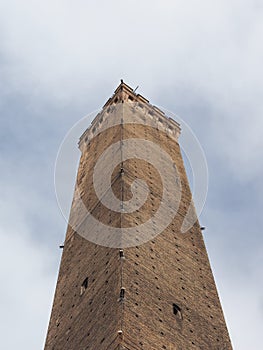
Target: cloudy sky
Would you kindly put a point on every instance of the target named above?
(61, 60)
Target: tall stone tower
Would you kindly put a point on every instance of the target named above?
(134, 272)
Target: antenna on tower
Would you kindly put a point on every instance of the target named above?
(135, 88)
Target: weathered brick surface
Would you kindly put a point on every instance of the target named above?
(171, 268)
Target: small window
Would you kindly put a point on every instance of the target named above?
(122, 293)
(177, 310)
(84, 285)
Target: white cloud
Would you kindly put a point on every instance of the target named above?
(64, 47)
(28, 265)
(243, 311)
(26, 290)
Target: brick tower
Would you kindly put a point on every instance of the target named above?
(127, 281)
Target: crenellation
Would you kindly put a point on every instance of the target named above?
(151, 114)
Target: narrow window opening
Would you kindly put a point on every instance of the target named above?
(84, 285)
(122, 293)
(121, 254)
(177, 310)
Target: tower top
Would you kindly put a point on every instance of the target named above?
(125, 92)
(145, 111)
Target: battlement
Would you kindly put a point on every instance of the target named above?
(143, 113)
